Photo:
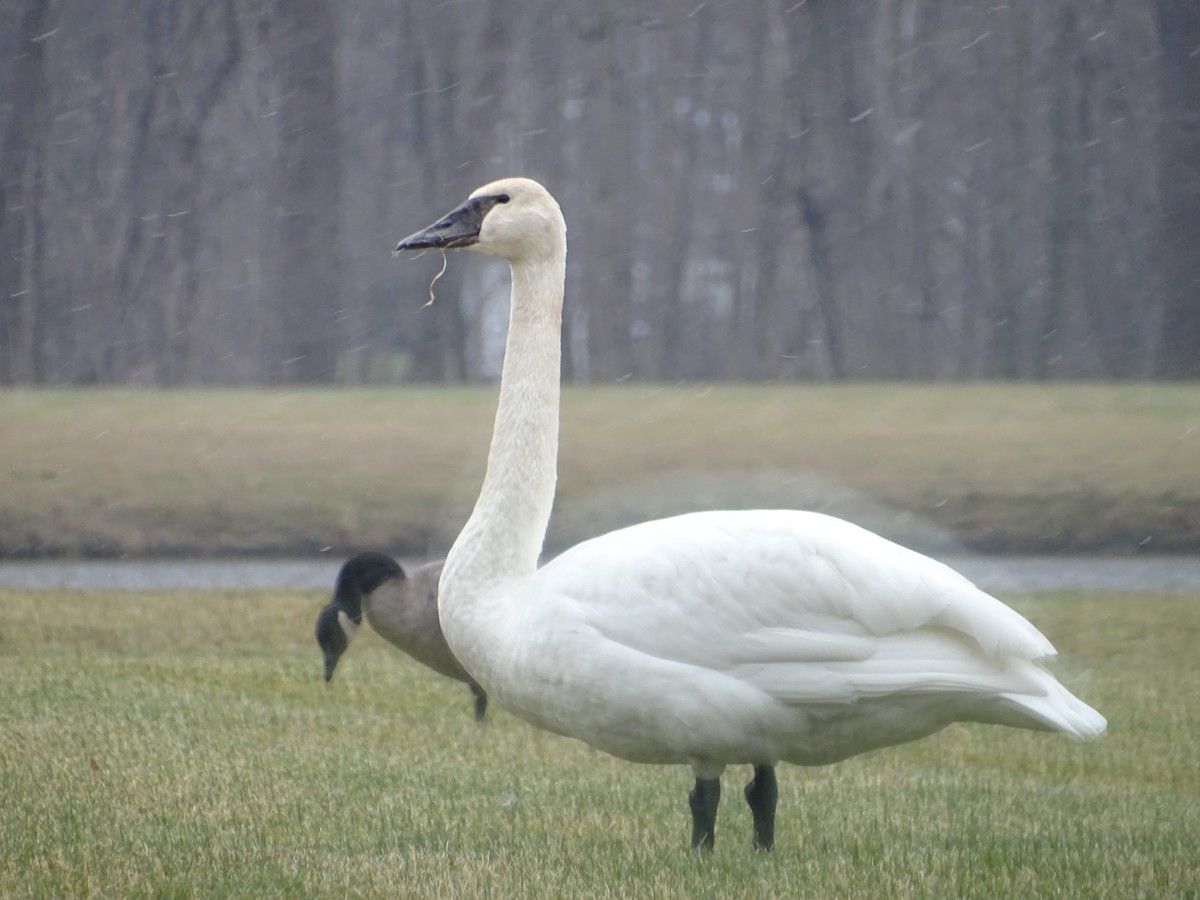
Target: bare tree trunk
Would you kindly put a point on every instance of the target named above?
(214, 27)
(816, 221)
(609, 125)
(308, 279)
(1179, 237)
(432, 111)
(1065, 197)
(133, 173)
(22, 182)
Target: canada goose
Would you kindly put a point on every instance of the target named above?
(401, 608)
(713, 638)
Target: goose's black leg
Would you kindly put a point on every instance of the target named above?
(480, 702)
(761, 794)
(703, 800)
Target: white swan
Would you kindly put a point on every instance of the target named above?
(401, 607)
(712, 638)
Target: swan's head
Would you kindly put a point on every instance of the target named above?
(514, 218)
(338, 622)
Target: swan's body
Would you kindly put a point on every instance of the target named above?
(401, 607)
(711, 638)
(760, 636)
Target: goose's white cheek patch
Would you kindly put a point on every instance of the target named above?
(349, 626)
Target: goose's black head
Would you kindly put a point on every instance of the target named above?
(338, 622)
(332, 637)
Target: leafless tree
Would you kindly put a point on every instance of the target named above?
(206, 193)
(24, 26)
(1178, 342)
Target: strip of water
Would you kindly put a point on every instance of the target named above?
(994, 573)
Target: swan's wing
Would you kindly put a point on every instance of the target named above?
(774, 586)
(734, 613)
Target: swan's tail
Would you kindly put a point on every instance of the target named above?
(1056, 709)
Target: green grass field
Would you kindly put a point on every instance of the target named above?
(1017, 467)
(183, 744)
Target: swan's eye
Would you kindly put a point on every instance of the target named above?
(503, 198)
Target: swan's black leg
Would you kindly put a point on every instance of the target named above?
(703, 800)
(480, 702)
(761, 794)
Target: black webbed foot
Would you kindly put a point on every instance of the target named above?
(703, 801)
(762, 794)
(481, 702)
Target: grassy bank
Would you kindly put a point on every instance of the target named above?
(1031, 468)
(184, 745)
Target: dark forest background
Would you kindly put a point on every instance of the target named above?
(207, 191)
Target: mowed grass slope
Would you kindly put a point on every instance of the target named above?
(179, 744)
(1026, 467)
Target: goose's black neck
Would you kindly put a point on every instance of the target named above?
(360, 575)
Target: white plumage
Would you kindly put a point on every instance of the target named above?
(713, 638)
(798, 636)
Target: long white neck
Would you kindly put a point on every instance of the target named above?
(502, 539)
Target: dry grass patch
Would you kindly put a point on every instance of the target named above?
(1029, 467)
